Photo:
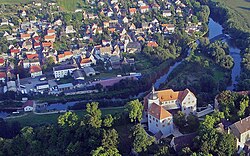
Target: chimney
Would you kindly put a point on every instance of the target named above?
(240, 120)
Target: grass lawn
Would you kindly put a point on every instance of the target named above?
(34, 120)
(69, 5)
(242, 9)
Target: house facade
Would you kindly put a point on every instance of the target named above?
(35, 71)
(241, 131)
(64, 70)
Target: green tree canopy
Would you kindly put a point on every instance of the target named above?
(68, 119)
(134, 109)
(141, 140)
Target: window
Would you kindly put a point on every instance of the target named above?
(149, 117)
(163, 125)
(156, 120)
(149, 121)
(169, 123)
(156, 125)
(172, 101)
(163, 121)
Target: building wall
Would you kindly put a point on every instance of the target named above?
(150, 101)
(189, 104)
(28, 108)
(36, 74)
(244, 137)
(2, 80)
(63, 73)
(34, 63)
(165, 125)
(153, 124)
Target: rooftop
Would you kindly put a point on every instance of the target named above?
(158, 112)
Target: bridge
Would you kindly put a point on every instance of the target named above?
(218, 37)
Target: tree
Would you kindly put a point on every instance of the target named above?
(27, 133)
(226, 145)
(180, 119)
(134, 109)
(108, 121)
(243, 105)
(163, 151)
(93, 116)
(68, 119)
(100, 151)
(207, 135)
(185, 151)
(192, 122)
(110, 139)
(140, 138)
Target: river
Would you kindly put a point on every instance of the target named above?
(215, 29)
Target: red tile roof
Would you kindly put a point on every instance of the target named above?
(25, 35)
(50, 37)
(28, 103)
(132, 10)
(32, 56)
(144, 7)
(85, 60)
(2, 74)
(169, 94)
(68, 53)
(50, 31)
(60, 56)
(152, 44)
(14, 50)
(34, 69)
(1, 60)
(158, 112)
(37, 38)
(47, 44)
(36, 44)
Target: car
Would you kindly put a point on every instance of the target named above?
(42, 79)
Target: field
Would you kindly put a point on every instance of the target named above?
(34, 120)
(242, 9)
(69, 5)
(15, 1)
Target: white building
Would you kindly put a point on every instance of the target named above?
(35, 71)
(62, 71)
(157, 104)
(28, 106)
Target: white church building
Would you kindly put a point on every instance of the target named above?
(158, 104)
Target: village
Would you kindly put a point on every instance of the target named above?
(61, 69)
(96, 53)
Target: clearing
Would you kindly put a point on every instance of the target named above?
(242, 9)
(32, 119)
